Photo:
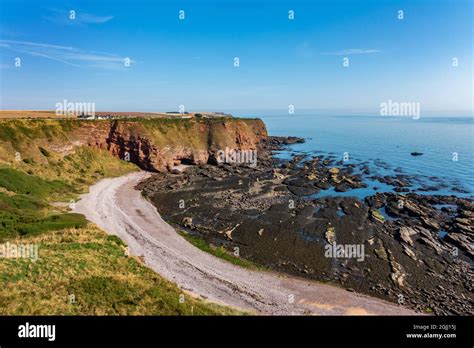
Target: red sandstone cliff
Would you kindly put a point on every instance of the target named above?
(160, 144)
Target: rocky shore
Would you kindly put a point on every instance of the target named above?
(412, 249)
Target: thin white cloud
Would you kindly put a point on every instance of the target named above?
(93, 57)
(67, 55)
(60, 16)
(350, 51)
(27, 43)
(93, 19)
(52, 58)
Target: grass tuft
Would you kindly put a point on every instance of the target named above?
(219, 252)
(94, 268)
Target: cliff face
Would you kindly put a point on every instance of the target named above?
(152, 144)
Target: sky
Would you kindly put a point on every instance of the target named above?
(282, 61)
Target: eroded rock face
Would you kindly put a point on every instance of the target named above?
(162, 145)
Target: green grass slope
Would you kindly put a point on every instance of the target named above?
(83, 271)
(74, 256)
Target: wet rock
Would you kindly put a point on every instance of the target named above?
(322, 184)
(381, 252)
(412, 209)
(377, 201)
(428, 239)
(464, 225)
(274, 142)
(330, 234)
(463, 228)
(365, 170)
(392, 209)
(409, 252)
(376, 216)
(336, 179)
(397, 276)
(463, 221)
(341, 188)
(399, 183)
(405, 234)
(459, 189)
(462, 241)
(302, 191)
(428, 188)
(187, 222)
(228, 232)
(280, 189)
(468, 214)
(354, 182)
(430, 222)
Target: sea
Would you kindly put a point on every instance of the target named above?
(385, 144)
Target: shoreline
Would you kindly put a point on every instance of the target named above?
(116, 206)
(270, 213)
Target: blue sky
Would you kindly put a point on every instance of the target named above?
(191, 62)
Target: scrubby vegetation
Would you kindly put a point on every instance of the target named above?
(220, 252)
(26, 196)
(21, 132)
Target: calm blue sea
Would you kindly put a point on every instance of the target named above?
(386, 143)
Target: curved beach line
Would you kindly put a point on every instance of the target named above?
(115, 206)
